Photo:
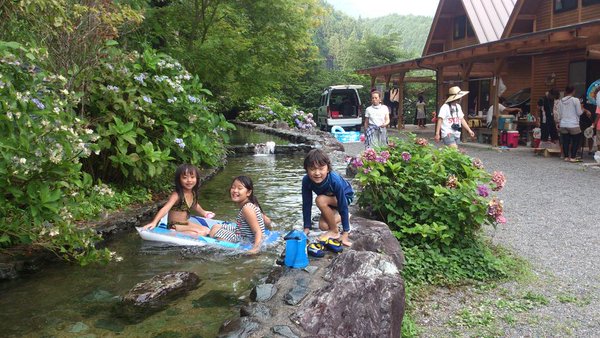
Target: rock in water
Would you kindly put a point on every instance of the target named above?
(154, 294)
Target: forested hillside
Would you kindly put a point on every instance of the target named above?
(412, 29)
(356, 43)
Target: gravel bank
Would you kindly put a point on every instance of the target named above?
(553, 223)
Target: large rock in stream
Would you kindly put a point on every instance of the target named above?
(155, 293)
(363, 297)
(357, 293)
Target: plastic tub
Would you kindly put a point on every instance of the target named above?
(347, 136)
(502, 121)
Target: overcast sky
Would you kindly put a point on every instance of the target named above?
(377, 8)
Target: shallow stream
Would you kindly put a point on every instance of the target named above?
(71, 301)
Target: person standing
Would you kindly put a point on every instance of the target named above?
(547, 122)
(397, 120)
(421, 112)
(596, 123)
(377, 118)
(569, 111)
(585, 121)
(451, 118)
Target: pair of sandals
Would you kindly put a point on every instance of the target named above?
(318, 249)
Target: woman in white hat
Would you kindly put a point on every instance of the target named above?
(451, 119)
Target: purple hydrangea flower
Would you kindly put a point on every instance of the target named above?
(38, 104)
(406, 156)
(483, 190)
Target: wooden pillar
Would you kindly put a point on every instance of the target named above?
(401, 100)
(498, 64)
(465, 73)
(442, 89)
(440, 93)
(373, 80)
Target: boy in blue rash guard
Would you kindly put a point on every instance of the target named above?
(334, 195)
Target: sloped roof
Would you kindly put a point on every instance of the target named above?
(488, 17)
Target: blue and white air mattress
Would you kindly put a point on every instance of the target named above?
(161, 234)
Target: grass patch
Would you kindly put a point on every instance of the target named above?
(568, 298)
(478, 264)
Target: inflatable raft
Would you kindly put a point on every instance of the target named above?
(161, 234)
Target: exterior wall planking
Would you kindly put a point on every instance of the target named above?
(546, 65)
(566, 18)
(590, 12)
(468, 41)
(518, 75)
(544, 15)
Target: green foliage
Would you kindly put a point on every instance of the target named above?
(73, 32)
(437, 197)
(242, 49)
(357, 43)
(42, 145)
(101, 198)
(149, 111)
(412, 28)
(471, 261)
(268, 109)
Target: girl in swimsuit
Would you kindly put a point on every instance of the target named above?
(251, 222)
(182, 202)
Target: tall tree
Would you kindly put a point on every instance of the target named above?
(239, 48)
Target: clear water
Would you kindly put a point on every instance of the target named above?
(72, 301)
(245, 135)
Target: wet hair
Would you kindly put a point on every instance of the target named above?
(569, 89)
(316, 158)
(421, 98)
(247, 183)
(186, 169)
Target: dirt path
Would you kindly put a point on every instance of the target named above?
(554, 224)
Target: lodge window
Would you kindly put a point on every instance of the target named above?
(462, 28)
(564, 5)
(590, 2)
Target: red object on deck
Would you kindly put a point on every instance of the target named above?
(512, 138)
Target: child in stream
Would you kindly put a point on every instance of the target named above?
(251, 222)
(334, 195)
(183, 201)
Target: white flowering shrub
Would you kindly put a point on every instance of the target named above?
(41, 146)
(268, 109)
(150, 112)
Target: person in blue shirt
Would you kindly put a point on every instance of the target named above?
(334, 195)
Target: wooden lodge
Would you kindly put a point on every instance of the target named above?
(530, 45)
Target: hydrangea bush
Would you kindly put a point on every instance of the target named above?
(268, 109)
(42, 144)
(427, 195)
(303, 120)
(150, 112)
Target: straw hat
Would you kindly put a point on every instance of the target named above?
(454, 93)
